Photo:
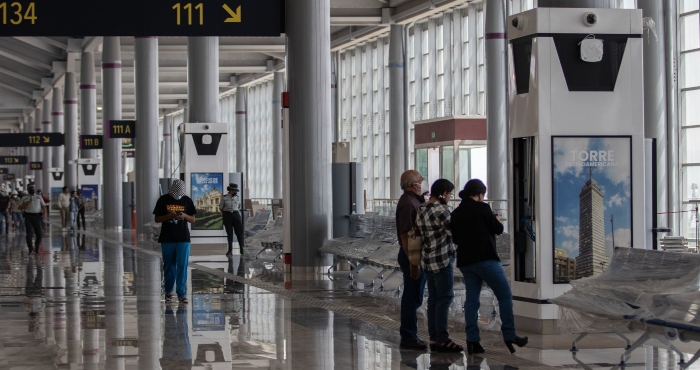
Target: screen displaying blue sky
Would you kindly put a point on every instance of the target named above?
(203, 183)
(609, 159)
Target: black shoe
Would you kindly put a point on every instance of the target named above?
(449, 347)
(418, 345)
(520, 342)
(474, 348)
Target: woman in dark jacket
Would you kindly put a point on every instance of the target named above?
(474, 230)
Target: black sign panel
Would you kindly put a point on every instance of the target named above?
(31, 140)
(121, 130)
(90, 141)
(4, 171)
(36, 166)
(141, 18)
(22, 159)
(10, 176)
(129, 153)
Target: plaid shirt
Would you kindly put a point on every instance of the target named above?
(433, 221)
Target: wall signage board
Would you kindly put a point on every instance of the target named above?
(121, 130)
(31, 140)
(90, 142)
(142, 18)
(35, 166)
(22, 159)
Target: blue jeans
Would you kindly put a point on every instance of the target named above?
(493, 274)
(175, 259)
(19, 220)
(73, 219)
(440, 296)
(411, 300)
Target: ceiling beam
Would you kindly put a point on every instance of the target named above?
(223, 49)
(40, 44)
(19, 77)
(91, 44)
(53, 42)
(356, 21)
(16, 90)
(24, 60)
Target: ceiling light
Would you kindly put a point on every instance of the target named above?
(99, 108)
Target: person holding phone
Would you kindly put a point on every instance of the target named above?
(175, 210)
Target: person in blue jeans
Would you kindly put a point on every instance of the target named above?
(474, 230)
(437, 259)
(175, 210)
(413, 275)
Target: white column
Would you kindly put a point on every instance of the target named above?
(277, 135)
(71, 133)
(111, 151)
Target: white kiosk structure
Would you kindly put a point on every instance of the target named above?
(576, 75)
(89, 180)
(205, 172)
(54, 188)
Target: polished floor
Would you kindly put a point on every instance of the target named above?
(94, 300)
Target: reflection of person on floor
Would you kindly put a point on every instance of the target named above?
(177, 352)
(230, 206)
(174, 210)
(34, 295)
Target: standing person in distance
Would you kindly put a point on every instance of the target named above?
(475, 227)
(64, 205)
(413, 276)
(34, 212)
(174, 210)
(17, 216)
(437, 259)
(81, 209)
(74, 205)
(230, 206)
(5, 211)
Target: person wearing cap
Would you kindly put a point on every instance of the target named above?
(5, 211)
(34, 212)
(174, 210)
(15, 202)
(230, 206)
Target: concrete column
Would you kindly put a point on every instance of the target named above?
(37, 153)
(71, 138)
(47, 150)
(146, 70)
(309, 66)
(473, 61)
(167, 147)
(88, 100)
(277, 88)
(496, 101)
(655, 102)
(673, 130)
(111, 150)
(241, 135)
(57, 125)
(203, 78)
(397, 120)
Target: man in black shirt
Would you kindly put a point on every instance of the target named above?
(174, 210)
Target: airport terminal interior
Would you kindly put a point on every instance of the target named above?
(288, 127)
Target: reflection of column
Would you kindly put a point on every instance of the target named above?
(48, 283)
(114, 303)
(279, 331)
(73, 315)
(148, 307)
(313, 328)
(59, 308)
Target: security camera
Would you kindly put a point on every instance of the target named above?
(519, 22)
(514, 22)
(590, 19)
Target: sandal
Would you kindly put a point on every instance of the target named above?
(183, 300)
(449, 347)
(168, 298)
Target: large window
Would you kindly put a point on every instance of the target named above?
(689, 85)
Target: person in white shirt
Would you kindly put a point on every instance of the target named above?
(64, 204)
(34, 212)
(230, 205)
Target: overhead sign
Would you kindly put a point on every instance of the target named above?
(31, 140)
(10, 176)
(90, 141)
(36, 166)
(121, 130)
(4, 171)
(22, 159)
(142, 18)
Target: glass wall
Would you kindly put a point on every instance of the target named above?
(689, 116)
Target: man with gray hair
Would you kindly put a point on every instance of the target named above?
(413, 277)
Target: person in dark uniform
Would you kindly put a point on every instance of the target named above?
(230, 205)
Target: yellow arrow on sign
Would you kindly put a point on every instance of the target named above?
(46, 139)
(235, 17)
(16, 160)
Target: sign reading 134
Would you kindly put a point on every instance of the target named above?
(15, 13)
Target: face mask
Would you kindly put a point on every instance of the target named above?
(178, 198)
(424, 187)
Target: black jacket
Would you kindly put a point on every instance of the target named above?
(474, 230)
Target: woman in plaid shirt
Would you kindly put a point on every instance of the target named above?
(433, 223)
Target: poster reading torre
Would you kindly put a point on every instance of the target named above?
(207, 190)
(592, 209)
